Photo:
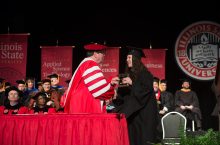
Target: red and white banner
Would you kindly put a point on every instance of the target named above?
(110, 65)
(57, 59)
(13, 57)
(155, 62)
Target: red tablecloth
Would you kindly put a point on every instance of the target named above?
(64, 129)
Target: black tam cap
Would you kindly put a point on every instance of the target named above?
(13, 88)
(138, 52)
(1, 80)
(156, 79)
(20, 82)
(163, 81)
(46, 80)
(7, 84)
(185, 80)
(44, 95)
(53, 76)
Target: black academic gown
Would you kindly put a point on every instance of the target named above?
(188, 98)
(167, 100)
(140, 108)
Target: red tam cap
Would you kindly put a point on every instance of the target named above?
(94, 46)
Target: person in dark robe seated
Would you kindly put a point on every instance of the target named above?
(157, 91)
(166, 97)
(7, 85)
(22, 87)
(40, 106)
(187, 103)
(165, 102)
(13, 104)
(55, 80)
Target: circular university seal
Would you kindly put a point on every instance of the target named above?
(197, 50)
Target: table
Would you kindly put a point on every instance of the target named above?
(64, 129)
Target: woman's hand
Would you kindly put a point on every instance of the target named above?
(127, 80)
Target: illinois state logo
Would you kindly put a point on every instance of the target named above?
(197, 50)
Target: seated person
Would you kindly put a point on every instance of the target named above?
(52, 96)
(7, 85)
(2, 91)
(40, 106)
(55, 80)
(30, 86)
(157, 91)
(55, 98)
(167, 100)
(22, 87)
(187, 103)
(13, 104)
(39, 86)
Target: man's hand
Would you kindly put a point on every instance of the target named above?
(189, 107)
(162, 112)
(115, 81)
(182, 107)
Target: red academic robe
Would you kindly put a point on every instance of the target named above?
(50, 111)
(21, 110)
(87, 90)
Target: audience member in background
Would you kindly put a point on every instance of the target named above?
(187, 103)
(55, 79)
(21, 86)
(30, 88)
(13, 105)
(88, 88)
(7, 85)
(167, 99)
(166, 104)
(41, 107)
(157, 91)
(216, 90)
(39, 86)
(30, 103)
(52, 95)
(139, 103)
(55, 97)
(46, 83)
(2, 91)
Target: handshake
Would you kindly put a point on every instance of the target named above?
(122, 80)
(121, 76)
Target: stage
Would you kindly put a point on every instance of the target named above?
(64, 129)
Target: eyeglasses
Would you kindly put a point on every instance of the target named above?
(13, 94)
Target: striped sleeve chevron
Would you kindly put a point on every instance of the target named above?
(95, 81)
